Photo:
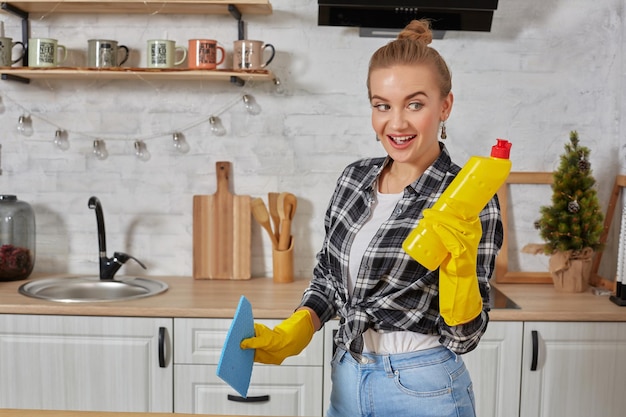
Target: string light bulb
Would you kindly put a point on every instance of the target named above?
(100, 149)
(60, 140)
(180, 144)
(278, 86)
(25, 125)
(216, 126)
(251, 105)
(141, 151)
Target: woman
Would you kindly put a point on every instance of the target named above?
(395, 354)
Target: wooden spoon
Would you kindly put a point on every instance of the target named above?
(259, 211)
(272, 201)
(287, 204)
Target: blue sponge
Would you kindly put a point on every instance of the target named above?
(235, 364)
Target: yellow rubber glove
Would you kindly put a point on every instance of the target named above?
(289, 338)
(459, 295)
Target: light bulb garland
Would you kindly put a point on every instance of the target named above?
(25, 125)
(278, 86)
(251, 105)
(99, 150)
(180, 144)
(60, 140)
(141, 151)
(216, 126)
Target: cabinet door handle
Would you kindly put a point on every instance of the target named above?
(535, 339)
(257, 399)
(162, 347)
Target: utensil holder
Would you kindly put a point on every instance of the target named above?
(282, 263)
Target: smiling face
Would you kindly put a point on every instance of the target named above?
(407, 109)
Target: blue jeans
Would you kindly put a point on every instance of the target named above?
(429, 383)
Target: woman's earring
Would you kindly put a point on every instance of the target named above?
(377, 138)
(444, 134)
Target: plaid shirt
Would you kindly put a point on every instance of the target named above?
(393, 292)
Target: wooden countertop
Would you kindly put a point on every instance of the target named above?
(187, 297)
(541, 302)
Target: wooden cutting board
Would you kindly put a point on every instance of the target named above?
(221, 231)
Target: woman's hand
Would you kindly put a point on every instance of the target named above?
(459, 295)
(289, 338)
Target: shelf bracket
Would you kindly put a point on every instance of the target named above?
(11, 77)
(25, 35)
(234, 11)
(237, 80)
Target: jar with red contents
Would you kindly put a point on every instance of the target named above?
(17, 238)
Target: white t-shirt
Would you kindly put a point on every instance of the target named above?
(388, 342)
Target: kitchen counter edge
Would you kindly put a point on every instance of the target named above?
(190, 298)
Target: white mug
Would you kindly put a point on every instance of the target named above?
(6, 52)
(44, 52)
(162, 53)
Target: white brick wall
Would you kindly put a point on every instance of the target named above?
(547, 67)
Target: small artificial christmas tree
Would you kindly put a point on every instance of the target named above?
(574, 222)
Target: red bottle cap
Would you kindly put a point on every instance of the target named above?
(502, 149)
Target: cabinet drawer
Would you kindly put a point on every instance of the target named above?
(277, 391)
(200, 341)
(84, 363)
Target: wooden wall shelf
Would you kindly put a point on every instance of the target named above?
(235, 8)
(64, 73)
(260, 7)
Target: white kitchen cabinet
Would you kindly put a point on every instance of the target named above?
(113, 364)
(291, 389)
(85, 363)
(574, 369)
(495, 367)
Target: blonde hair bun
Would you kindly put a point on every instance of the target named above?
(417, 31)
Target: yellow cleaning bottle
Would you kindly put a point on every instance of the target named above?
(465, 197)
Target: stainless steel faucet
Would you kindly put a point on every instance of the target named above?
(108, 266)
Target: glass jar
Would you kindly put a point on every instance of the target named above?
(17, 238)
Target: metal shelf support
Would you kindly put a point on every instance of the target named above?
(241, 35)
(25, 26)
(25, 35)
(234, 12)
(11, 77)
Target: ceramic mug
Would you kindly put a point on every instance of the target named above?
(249, 54)
(44, 52)
(6, 52)
(203, 54)
(104, 53)
(162, 53)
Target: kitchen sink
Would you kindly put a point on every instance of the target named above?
(83, 289)
(497, 300)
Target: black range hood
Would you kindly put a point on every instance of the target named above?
(466, 15)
